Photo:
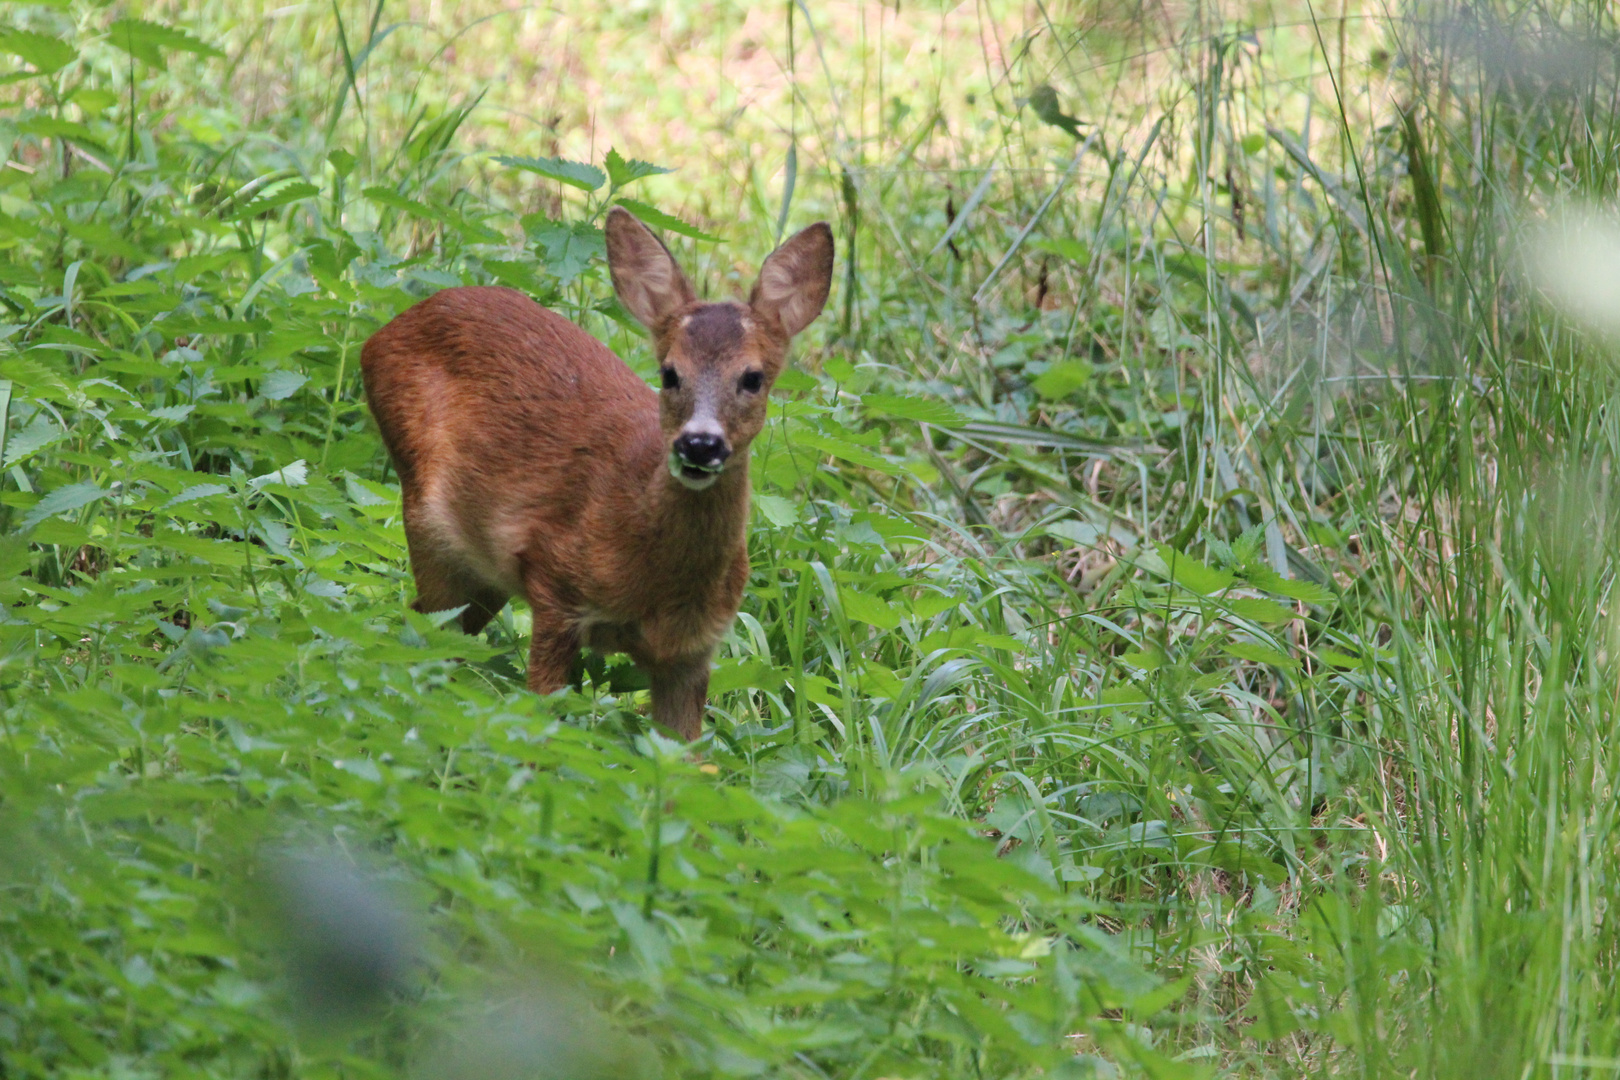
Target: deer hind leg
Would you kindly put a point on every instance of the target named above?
(441, 584)
(680, 694)
(482, 602)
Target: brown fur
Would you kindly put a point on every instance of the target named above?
(533, 461)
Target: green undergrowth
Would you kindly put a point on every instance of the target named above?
(1178, 641)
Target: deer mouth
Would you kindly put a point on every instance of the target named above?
(693, 476)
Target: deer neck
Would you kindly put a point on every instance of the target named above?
(698, 528)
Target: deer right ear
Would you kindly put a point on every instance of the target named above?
(644, 273)
(794, 282)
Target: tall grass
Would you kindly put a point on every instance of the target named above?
(1179, 638)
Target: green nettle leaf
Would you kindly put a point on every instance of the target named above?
(1061, 379)
(921, 409)
(62, 500)
(664, 221)
(41, 432)
(1264, 577)
(1271, 1009)
(1065, 247)
(197, 491)
(295, 474)
(1258, 610)
(46, 53)
(1083, 533)
(1186, 571)
(1260, 654)
(866, 608)
(274, 195)
(366, 493)
(362, 767)
(281, 384)
(575, 174)
(569, 246)
(622, 172)
(146, 41)
(342, 162)
(777, 510)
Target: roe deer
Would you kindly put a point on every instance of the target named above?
(533, 460)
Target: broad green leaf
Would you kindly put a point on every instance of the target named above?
(1264, 577)
(46, 53)
(294, 474)
(1274, 1016)
(222, 553)
(621, 172)
(1062, 379)
(1143, 659)
(363, 767)
(866, 608)
(146, 41)
(1186, 571)
(569, 246)
(1066, 247)
(63, 499)
(923, 410)
(1083, 533)
(281, 384)
(1255, 609)
(41, 432)
(750, 674)
(364, 492)
(198, 491)
(928, 605)
(651, 216)
(273, 195)
(575, 174)
(777, 510)
(1260, 654)
(1246, 858)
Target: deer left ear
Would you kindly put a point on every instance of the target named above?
(794, 282)
(644, 273)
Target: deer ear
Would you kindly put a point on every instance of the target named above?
(793, 284)
(644, 273)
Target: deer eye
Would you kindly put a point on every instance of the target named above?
(671, 380)
(751, 381)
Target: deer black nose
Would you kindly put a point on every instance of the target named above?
(703, 449)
